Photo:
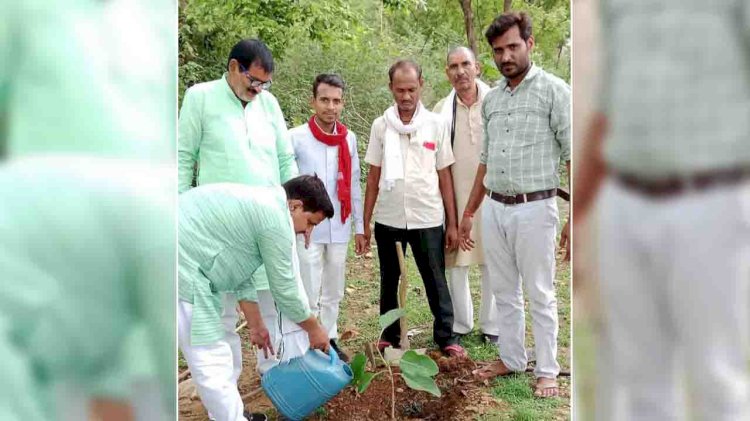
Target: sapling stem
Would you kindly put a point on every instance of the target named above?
(393, 384)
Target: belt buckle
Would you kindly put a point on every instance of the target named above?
(525, 198)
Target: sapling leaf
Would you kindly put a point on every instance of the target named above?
(418, 371)
(365, 383)
(388, 318)
(358, 367)
(418, 364)
(418, 382)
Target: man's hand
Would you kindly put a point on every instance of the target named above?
(367, 237)
(451, 238)
(260, 337)
(318, 339)
(464, 233)
(258, 333)
(565, 239)
(360, 244)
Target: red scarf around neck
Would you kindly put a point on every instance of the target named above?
(344, 176)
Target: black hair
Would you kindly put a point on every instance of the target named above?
(404, 63)
(312, 192)
(250, 52)
(329, 79)
(506, 21)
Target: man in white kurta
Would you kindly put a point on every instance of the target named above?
(322, 264)
(463, 109)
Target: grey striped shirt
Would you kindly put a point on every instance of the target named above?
(526, 133)
(676, 87)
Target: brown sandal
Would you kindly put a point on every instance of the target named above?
(540, 391)
(492, 370)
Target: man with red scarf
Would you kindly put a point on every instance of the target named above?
(325, 147)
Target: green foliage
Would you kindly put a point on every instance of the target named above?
(359, 39)
(418, 372)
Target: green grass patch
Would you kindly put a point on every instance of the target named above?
(516, 390)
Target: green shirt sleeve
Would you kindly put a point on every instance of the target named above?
(276, 251)
(247, 292)
(189, 138)
(285, 150)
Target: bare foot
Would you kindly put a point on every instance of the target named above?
(491, 371)
(546, 388)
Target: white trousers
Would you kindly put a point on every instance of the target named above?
(519, 250)
(675, 285)
(213, 368)
(463, 307)
(323, 269)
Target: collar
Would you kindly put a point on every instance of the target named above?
(228, 90)
(335, 126)
(480, 96)
(533, 72)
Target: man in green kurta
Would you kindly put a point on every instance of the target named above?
(226, 231)
(87, 232)
(232, 130)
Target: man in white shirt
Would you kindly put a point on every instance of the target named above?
(410, 156)
(325, 147)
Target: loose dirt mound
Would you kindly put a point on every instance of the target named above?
(459, 400)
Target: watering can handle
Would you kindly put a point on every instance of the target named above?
(334, 356)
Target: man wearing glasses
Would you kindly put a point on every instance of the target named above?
(232, 131)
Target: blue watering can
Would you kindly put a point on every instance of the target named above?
(298, 386)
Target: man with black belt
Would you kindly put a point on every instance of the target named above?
(526, 134)
(674, 211)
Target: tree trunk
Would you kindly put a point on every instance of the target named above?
(469, 24)
(506, 5)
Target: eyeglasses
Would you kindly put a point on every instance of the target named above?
(255, 83)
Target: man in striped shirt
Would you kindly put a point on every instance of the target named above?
(526, 135)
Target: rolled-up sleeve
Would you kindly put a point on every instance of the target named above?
(247, 292)
(276, 252)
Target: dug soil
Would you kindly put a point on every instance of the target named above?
(462, 398)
